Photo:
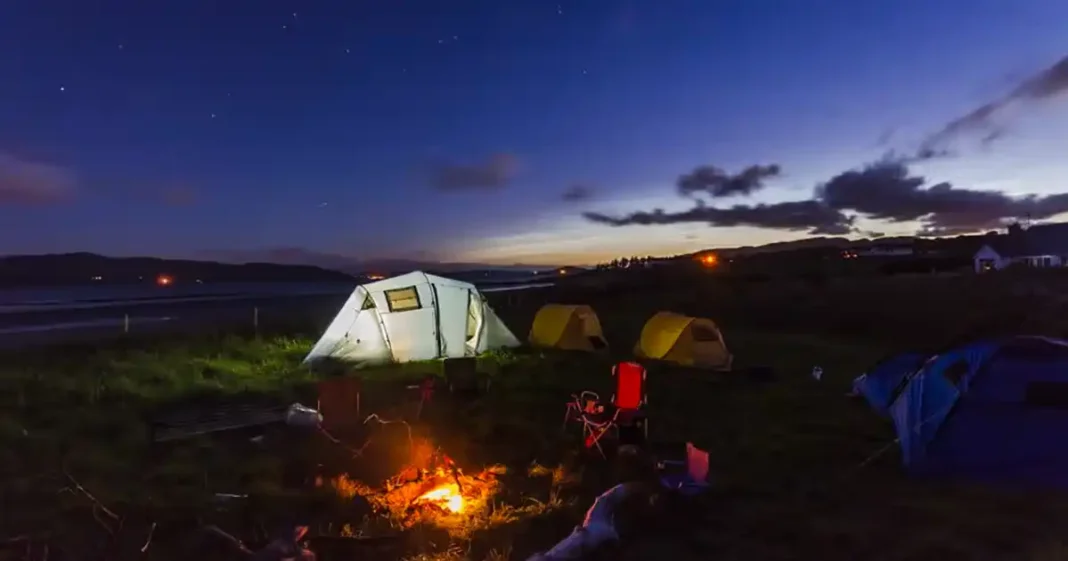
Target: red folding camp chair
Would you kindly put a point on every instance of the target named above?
(339, 402)
(627, 403)
(630, 398)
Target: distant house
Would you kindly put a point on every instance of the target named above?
(1040, 246)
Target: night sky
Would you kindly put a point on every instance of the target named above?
(522, 131)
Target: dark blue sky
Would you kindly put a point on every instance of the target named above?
(451, 130)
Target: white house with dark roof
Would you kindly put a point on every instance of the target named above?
(1041, 246)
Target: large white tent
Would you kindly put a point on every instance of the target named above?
(414, 316)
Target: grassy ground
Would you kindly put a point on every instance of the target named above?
(800, 472)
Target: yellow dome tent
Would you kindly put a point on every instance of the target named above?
(573, 328)
(684, 340)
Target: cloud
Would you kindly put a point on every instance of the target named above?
(171, 193)
(810, 216)
(716, 183)
(577, 193)
(885, 137)
(178, 196)
(495, 172)
(23, 182)
(1047, 84)
(885, 190)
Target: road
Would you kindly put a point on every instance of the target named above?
(25, 326)
(21, 329)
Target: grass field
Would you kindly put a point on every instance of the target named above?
(799, 471)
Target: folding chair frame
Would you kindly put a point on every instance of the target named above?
(582, 408)
(593, 429)
(579, 404)
(426, 394)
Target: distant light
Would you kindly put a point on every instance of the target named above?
(164, 280)
(709, 260)
(98, 277)
(563, 271)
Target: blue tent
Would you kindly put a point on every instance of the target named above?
(993, 410)
(881, 384)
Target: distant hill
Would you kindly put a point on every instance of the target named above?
(967, 244)
(354, 266)
(85, 268)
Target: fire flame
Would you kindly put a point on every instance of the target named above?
(445, 496)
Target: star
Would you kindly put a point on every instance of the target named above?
(584, 72)
(559, 10)
(294, 15)
(285, 27)
(213, 115)
(347, 51)
(121, 46)
(455, 37)
(441, 41)
(62, 88)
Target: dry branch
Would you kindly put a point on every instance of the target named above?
(236, 543)
(96, 502)
(148, 541)
(411, 440)
(356, 452)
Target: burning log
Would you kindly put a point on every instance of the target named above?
(443, 495)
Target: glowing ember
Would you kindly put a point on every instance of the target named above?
(446, 496)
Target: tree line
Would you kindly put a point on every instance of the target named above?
(625, 263)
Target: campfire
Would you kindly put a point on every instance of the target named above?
(442, 495)
(447, 497)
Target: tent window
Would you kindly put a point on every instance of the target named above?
(403, 299)
(368, 303)
(703, 334)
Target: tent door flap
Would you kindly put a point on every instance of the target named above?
(437, 321)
